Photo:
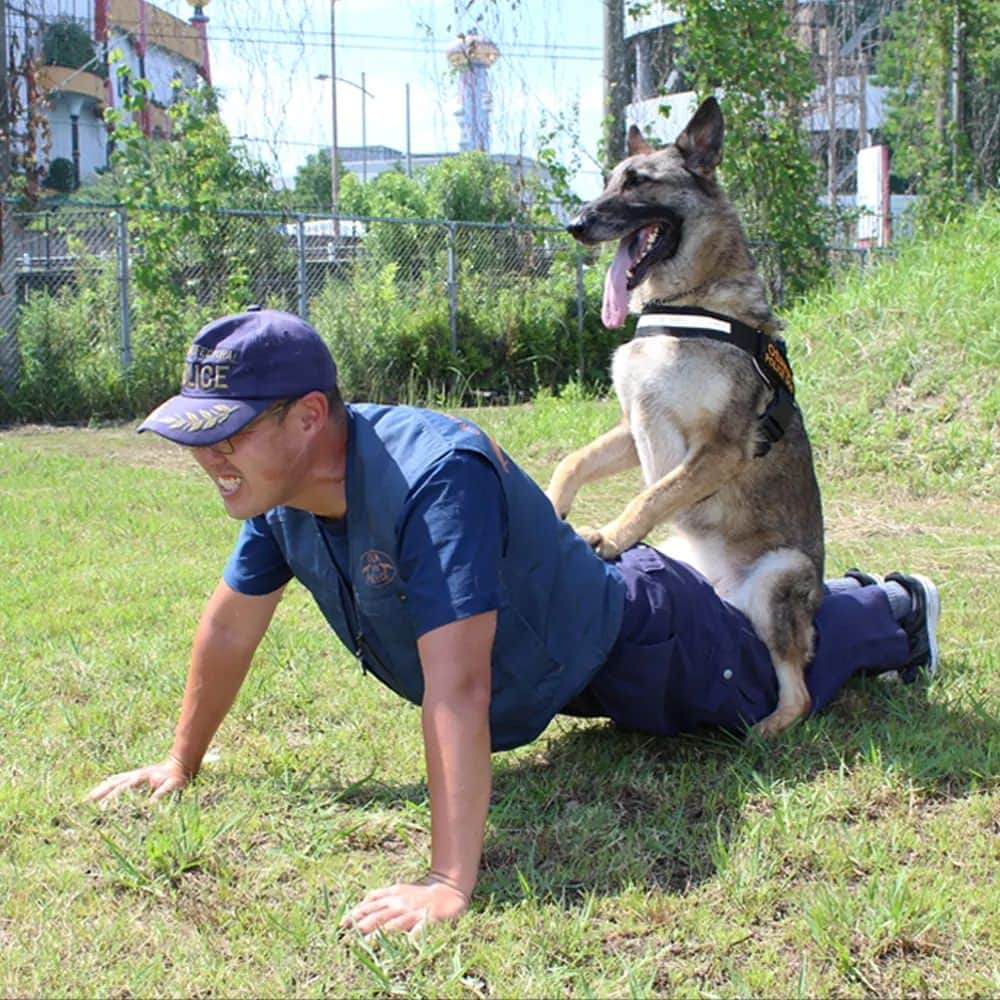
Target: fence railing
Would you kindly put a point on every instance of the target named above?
(411, 307)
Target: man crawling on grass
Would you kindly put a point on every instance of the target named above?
(443, 568)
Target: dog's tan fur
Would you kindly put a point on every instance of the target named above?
(752, 525)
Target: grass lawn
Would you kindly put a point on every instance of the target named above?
(856, 855)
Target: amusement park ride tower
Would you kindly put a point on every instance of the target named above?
(471, 54)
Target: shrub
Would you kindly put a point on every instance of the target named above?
(391, 337)
(387, 322)
(70, 362)
(67, 43)
(70, 352)
(60, 176)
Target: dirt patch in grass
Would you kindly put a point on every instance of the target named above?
(900, 515)
(116, 443)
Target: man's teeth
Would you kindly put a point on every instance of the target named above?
(229, 484)
(647, 246)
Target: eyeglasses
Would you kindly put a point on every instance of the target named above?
(227, 446)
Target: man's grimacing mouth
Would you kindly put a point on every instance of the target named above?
(228, 484)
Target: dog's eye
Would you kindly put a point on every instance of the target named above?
(632, 178)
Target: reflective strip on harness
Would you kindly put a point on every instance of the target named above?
(688, 322)
(767, 353)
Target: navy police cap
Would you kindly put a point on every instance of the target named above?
(236, 368)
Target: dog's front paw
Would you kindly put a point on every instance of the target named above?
(600, 541)
(779, 720)
(560, 503)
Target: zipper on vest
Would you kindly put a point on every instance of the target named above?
(349, 602)
(367, 658)
(353, 621)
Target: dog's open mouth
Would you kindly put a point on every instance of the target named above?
(636, 254)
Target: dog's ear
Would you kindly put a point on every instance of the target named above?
(701, 140)
(636, 143)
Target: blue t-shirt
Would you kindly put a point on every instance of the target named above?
(452, 532)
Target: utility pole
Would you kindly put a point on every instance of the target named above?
(832, 72)
(334, 179)
(957, 70)
(364, 133)
(409, 151)
(615, 89)
(864, 139)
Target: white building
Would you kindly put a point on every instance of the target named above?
(66, 79)
(842, 52)
(654, 80)
(369, 162)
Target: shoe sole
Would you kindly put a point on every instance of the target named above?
(875, 579)
(932, 602)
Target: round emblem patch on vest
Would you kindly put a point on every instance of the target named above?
(377, 569)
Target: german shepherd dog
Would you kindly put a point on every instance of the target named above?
(711, 420)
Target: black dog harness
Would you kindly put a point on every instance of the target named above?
(769, 356)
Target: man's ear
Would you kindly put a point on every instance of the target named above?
(636, 143)
(701, 140)
(312, 410)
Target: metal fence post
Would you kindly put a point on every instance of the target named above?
(124, 306)
(300, 234)
(579, 316)
(780, 294)
(10, 357)
(452, 289)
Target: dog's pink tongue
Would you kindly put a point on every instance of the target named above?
(614, 309)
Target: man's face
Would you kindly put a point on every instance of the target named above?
(258, 467)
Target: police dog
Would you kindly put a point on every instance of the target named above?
(737, 487)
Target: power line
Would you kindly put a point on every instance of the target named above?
(511, 52)
(417, 39)
(264, 35)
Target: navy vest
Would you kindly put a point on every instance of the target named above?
(560, 605)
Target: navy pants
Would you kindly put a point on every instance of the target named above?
(685, 658)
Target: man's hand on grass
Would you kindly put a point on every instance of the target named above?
(407, 907)
(164, 778)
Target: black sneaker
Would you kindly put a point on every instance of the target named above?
(865, 579)
(920, 625)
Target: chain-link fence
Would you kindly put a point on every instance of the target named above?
(105, 301)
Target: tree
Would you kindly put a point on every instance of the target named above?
(941, 62)
(391, 194)
(312, 189)
(181, 189)
(198, 168)
(469, 187)
(473, 188)
(746, 51)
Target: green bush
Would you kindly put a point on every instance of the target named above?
(60, 176)
(382, 359)
(389, 331)
(391, 336)
(67, 43)
(70, 353)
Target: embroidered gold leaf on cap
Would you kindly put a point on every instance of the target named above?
(202, 420)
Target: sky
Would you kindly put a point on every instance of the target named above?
(267, 54)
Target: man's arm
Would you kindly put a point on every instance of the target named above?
(455, 719)
(228, 633)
